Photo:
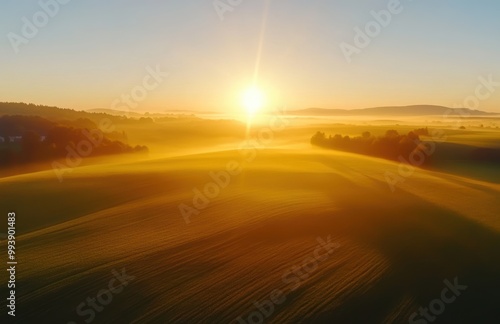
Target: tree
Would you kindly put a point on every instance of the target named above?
(391, 133)
(30, 145)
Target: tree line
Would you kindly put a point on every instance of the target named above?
(391, 145)
(31, 139)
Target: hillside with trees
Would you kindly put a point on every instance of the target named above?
(33, 139)
(65, 115)
(391, 146)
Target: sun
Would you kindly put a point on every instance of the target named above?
(253, 101)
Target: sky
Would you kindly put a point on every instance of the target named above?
(206, 54)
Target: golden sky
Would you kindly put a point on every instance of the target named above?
(299, 53)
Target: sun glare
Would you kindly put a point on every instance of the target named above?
(253, 100)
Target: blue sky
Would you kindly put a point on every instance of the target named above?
(91, 52)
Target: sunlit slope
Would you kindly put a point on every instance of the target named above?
(394, 249)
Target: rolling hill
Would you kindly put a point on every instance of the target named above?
(392, 252)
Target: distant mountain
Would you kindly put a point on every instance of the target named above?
(133, 114)
(62, 115)
(51, 113)
(113, 112)
(416, 110)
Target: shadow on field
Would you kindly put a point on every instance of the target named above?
(425, 245)
(205, 278)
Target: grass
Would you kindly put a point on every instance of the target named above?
(395, 248)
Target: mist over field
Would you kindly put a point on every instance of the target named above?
(220, 224)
